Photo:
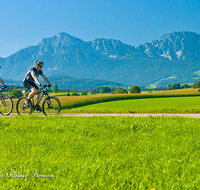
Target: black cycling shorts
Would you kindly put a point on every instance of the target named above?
(30, 85)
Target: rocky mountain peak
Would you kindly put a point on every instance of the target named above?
(59, 43)
(176, 45)
(110, 47)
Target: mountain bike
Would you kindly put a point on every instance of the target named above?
(50, 106)
(6, 103)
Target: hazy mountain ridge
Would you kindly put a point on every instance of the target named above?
(73, 83)
(66, 82)
(112, 60)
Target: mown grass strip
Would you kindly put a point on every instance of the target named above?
(68, 102)
(154, 105)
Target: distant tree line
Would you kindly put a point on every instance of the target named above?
(196, 84)
(14, 89)
(177, 86)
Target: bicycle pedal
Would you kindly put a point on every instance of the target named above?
(39, 108)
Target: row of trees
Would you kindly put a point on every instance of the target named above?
(177, 86)
(196, 84)
(134, 89)
(115, 90)
(103, 89)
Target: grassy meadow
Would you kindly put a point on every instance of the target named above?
(99, 152)
(146, 105)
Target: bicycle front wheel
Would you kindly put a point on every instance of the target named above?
(22, 108)
(6, 105)
(51, 106)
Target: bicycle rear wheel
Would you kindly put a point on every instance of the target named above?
(51, 106)
(22, 108)
(6, 105)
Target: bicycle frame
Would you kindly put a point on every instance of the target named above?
(1, 93)
(44, 93)
(1, 97)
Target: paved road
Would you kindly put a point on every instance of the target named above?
(123, 114)
(131, 115)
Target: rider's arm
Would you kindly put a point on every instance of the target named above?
(46, 79)
(36, 79)
(2, 81)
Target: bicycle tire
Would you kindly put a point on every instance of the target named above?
(21, 108)
(51, 106)
(6, 105)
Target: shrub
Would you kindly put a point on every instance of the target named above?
(196, 84)
(83, 93)
(176, 86)
(75, 94)
(121, 91)
(16, 92)
(26, 94)
(101, 91)
(135, 89)
(185, 86)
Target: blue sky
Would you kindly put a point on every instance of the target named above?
(26, 22)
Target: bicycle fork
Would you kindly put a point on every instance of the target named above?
(2, 101)
(49, 103)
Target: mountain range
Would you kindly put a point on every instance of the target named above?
(174, 58)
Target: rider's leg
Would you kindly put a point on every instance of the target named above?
(33, 92)
(38, 108)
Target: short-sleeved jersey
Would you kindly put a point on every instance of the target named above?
(33, 71)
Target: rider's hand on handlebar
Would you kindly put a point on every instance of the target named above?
(41, 85)
(5, 86)
(50, 85)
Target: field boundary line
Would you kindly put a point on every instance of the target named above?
(130, 114)
(118, 114)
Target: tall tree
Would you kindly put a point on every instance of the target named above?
(135, 89)
(55, 88)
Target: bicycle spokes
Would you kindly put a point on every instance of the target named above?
(3, 102)
(6, 105)
(22, 108)
(51, 106)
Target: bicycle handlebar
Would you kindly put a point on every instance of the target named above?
(47, 85)
(2, 88)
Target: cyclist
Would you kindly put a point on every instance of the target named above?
(29, 82)
(1, 80)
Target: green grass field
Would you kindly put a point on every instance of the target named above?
(99, 153)
(148, 105)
